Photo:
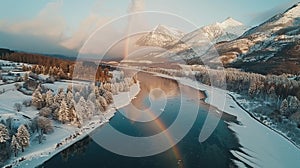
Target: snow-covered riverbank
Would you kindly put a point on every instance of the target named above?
(263, 146)
(66, 135)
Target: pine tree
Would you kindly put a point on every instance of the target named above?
(108, 97)
(70, 99)
(4, 135)
(72, 115)
(23, 137)
(114, 89)
(15, 147)
(49, 98)
(77, 97)
(103, 104)
(37, 98)
(294, 104)
(91, 109)
(82, 108)
(284, 107)
(63, 113)
(60, 95)
(92, 97)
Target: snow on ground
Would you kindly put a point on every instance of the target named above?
(43, 77)
(64, 84)
(266, 148)
(55, 86)
(37, 154)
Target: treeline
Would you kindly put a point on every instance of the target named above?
(78, 103)
(60, 68)
(36, 59)
(281, 92)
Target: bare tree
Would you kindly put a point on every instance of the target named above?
(44, 126)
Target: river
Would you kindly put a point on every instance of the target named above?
(161, 98)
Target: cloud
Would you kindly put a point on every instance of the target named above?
(48, 23)
(86, 27)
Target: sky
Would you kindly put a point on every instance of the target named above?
(62, 26)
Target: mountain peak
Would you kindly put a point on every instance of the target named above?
(230, 22)
(165, 30)
(160, 36)
(294, 11)
(160, 27)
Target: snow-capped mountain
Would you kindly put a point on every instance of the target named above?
(225, 31)
(179, 45)
(162, 36)
(272, 47)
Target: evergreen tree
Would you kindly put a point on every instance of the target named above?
(49, 98)
(63, 113)
(37, 98)
(70, 99)
(4, 135)
(77, 97)
(294, 104)
(91, 109)
(15, 147)
(108, 97)
(114, 89)
(103, 104)
(23, 137)
(82, 108)
(284, 107)
(60, 96)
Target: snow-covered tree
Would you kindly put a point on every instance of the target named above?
(14, 145)
(37, 98)
(77, 96)
(103, 104)
(108, 97)
(114, 89)
(73, 115)
(96, 92)
(294, 104)
(125, 86)
(70, 88)
(82, 108)
(284, 107)
(49, 98)
(23, 137)
(4, 135)
(63, 113)
(70, 99)
(92, 97)
(91, 108)
(60, 95)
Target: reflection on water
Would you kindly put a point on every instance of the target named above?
(161, 97)
(78, 149)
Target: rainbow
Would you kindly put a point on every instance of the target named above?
(157, 121)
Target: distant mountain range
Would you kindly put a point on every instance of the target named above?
(271, 47)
